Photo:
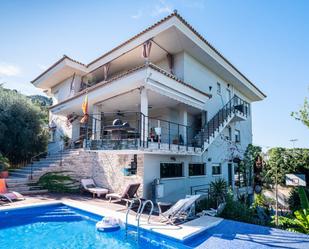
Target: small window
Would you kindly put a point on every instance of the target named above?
(197, 169)
(170, 170)
(216, 169)
(229, 94)
(229, 135)
(237, 136)
(218, 88)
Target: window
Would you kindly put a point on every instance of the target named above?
(216, 169)
(229, 94)
(229, 135)
(218, 88)
(237, 136)
(170, 170)
(197, 169)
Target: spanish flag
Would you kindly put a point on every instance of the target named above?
(85, 110)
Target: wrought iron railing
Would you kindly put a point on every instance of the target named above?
(235, 105)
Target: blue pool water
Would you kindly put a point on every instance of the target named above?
(59, 226)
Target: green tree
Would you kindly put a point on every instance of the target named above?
(250, 161)
(23, 131)
(303, 114)
(286, 161)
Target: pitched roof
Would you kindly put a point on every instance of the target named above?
(174, 14)
(90, 89)
(55, 64)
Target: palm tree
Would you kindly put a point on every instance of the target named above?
(218, 190)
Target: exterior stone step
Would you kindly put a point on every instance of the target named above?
(19, 179)
(34, 192)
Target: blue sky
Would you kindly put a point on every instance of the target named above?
(267, 40)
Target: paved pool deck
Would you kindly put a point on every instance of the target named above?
(105, 208)
(205, 232)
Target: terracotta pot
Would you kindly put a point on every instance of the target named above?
(4, 174)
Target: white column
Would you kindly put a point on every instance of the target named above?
(96, 122)
(183, 117)
(144, 116)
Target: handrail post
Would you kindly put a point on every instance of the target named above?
(148, 131)
(61, 151)
(140, 129)
(178, 135)
(31, 169)
(187, 138)
(169, 135)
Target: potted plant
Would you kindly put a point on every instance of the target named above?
(4, 165)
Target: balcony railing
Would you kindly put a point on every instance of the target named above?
(133, 130)
(235, 105)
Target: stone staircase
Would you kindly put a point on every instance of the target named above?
(20, 179)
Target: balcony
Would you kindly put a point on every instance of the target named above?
(136, 131)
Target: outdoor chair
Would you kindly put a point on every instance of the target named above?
(182, 210)
(90, 186)
(8, 196)
(129, 193)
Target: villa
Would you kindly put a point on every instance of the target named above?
(150, 124)
(165, 109)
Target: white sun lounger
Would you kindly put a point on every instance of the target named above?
(182, 209)
(215, 212)
(90, 186)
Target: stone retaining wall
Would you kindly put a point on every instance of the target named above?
(105, 168)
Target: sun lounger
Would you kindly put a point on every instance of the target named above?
(129, 193)
(181, 210)
(90, 186)
(214, 212)
(8, 196)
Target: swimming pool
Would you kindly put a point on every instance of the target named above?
(62, 226)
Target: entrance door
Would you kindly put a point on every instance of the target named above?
(230, 174)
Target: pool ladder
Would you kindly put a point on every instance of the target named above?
(139, 213)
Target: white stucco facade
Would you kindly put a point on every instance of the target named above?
(168, 103)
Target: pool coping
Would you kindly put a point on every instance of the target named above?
(180, 233)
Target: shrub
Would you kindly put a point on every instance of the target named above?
(294, 200)
(218, 190)
(205, 204)
(235, 210)
(299, 222)
(59, 182)
(4, 163)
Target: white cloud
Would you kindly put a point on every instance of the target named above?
(162, 7)
(9, 70)
(138, 15)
